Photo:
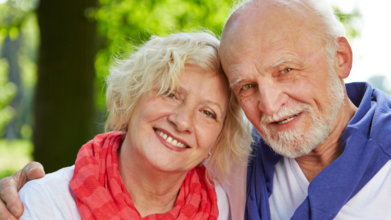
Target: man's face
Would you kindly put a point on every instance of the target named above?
(281, 77)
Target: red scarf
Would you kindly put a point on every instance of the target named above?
(101, 193)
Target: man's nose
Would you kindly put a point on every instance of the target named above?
(182, 118)
(271, 97)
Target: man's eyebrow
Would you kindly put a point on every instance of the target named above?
(281, 61)
(237, 81)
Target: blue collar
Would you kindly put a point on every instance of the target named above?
(366, 146)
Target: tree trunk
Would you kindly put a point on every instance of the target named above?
(64, 98)
(10, 53)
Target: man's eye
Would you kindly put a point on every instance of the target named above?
(247, 87)
(208, 113)
(286, 70)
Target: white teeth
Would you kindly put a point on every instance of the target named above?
(170, 139)
(287, 120)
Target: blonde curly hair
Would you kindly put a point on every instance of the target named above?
(159, 63)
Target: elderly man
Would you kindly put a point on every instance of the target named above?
(324, 148)
(330, 145)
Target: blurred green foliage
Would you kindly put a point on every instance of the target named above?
(7, 92)
(14, 155)
(13, 14)
(19, 34)
(350, 21)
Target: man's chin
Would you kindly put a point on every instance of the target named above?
(293, 148)
(293, 153)
(297, 142)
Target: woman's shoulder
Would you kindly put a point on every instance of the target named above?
(50, 197)
(57, 183)
(222, 203)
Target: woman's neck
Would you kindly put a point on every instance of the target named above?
(152, 191)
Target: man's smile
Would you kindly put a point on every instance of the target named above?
(288, 119)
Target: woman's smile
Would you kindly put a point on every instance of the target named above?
(170, 141)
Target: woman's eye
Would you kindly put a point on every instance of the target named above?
(247, 87)
(286, 70)
(208, 113)
(169, 94)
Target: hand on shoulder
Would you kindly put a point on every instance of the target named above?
(10, 205)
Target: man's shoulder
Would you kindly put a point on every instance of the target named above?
(372, 119)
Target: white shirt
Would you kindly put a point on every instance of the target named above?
(51, 198)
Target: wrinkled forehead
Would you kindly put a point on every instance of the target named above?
(267, 20)
(258, 29)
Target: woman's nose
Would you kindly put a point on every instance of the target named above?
(182, 118)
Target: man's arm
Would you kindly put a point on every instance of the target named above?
(10, 205)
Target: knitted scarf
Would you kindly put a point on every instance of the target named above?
(101, 193)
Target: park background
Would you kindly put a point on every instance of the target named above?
(54, 56)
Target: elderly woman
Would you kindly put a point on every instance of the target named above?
(171, 111)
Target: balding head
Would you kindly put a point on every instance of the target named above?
(315, 17)
(320, 11)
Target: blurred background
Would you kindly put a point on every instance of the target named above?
(54, 56)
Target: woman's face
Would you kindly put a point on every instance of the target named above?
(176, 131)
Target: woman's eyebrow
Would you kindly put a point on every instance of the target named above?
(209, 102)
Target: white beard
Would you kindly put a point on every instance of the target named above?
(298, 142)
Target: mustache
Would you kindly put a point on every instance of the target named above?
(285, 112)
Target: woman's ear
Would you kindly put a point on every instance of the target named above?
(204, 160)
(344, 58)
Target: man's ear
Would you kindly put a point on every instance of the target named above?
(344, 58)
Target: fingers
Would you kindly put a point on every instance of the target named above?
(9, 196)
(10, 186)
(31, 171)
(4, 213)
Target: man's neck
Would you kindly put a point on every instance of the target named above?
(322, 156)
